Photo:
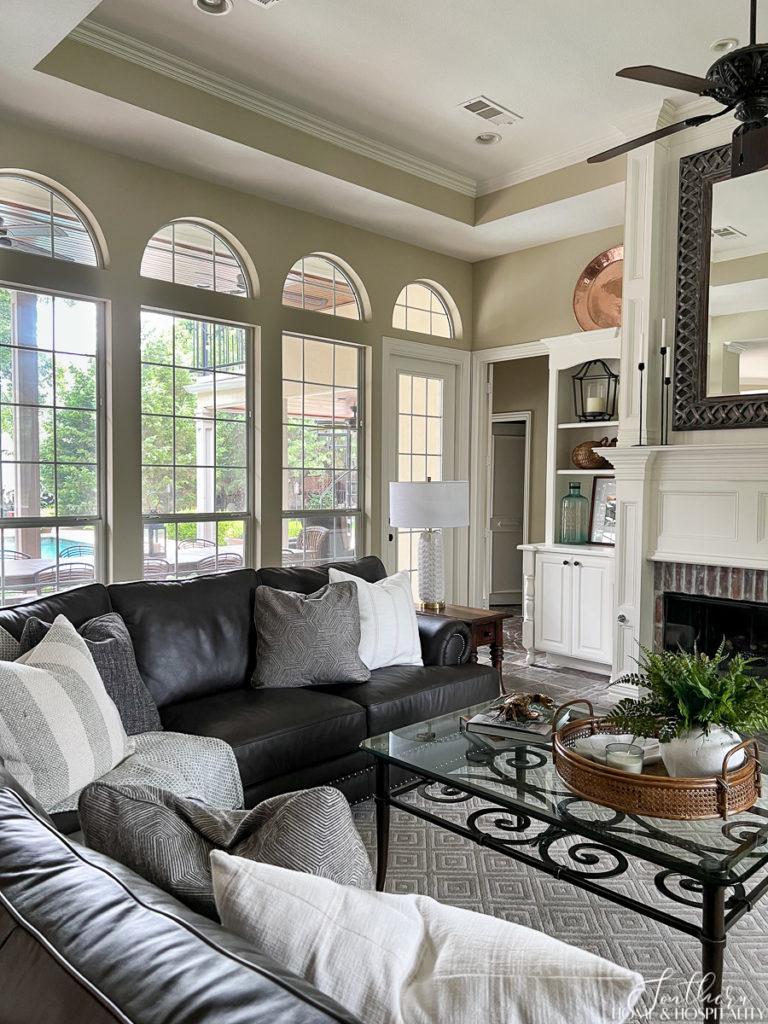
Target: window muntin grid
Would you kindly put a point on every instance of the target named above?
(421, 308)
(187, 252)
(321, 286)
(322, 449)
(37, 219)
(51, 438)
(419, 449)
(195, 444)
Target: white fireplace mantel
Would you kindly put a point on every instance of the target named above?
(704, 504)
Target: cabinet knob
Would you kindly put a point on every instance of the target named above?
(566, 562)
(622, 619)
(577, 563)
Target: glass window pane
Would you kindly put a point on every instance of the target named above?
(194, 392)
(318, 362)
(157, 490)
(312, 541)
(434, 396)
(421, 308)
(76, 436)
(39, 221)
(193, 254)
(29, 378)
(292, 358)
(156, 337)
(419, 434)
(420, 395)
(75, 381)
(157, 440)
(231, 397)
(231, 490)
(418, 296)
(76, 490)
(231, 444)
(74, 326)
(157, 388)
(292, 402)
(419, 321)
(347, 366)
(29, 489)
(315, 283)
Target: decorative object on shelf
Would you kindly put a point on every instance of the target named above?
(595, 388)
(602, 517)
(584, 455)
(431, 507)
(653, 793)
(641, 376)
(532, 716)
(666, 380)
(696, 705)
(574, 516)
(597, 296)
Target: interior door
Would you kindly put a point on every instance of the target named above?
(507, 516)
(419, 445)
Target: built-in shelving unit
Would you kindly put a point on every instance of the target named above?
(594, 425)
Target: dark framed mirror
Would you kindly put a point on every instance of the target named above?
(721, 335)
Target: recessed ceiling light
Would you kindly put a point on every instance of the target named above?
(213, 6)
(488, 139)
(724, 45)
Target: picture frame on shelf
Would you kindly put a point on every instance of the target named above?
(602, 518)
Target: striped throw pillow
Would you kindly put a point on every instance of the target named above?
(59, 729)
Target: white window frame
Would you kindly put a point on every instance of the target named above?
(249, 516)
(358, 513)
(97, 521)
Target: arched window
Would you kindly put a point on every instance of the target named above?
(36, 218)
(193, 253)
(323, 286)
(420, 307)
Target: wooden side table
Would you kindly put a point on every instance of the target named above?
(486, 627)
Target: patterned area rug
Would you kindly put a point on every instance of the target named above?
(430, 860)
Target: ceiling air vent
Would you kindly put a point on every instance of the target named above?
(729, 231)
(490, 111)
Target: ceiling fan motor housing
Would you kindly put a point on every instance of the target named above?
(740, 79)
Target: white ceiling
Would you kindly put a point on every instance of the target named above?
(398, 70)
(394, 71)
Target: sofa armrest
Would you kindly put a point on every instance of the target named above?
(444, 641)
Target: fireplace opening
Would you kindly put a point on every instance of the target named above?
(703, 622)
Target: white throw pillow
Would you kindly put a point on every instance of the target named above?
(389, 629)
(59, 729)
(397, 959)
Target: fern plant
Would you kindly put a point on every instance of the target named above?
(693, 691)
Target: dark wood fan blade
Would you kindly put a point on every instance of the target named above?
(663, 76)
(749, 152)
(643, 140)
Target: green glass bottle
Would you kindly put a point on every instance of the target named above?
(574, 516)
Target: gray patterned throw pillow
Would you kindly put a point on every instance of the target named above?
(305, 640)
(168, 839)
(109, 642)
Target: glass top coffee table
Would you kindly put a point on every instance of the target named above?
(715, 869)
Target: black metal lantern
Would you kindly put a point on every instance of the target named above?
(595, 388)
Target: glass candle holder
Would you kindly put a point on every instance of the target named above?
(627, 757)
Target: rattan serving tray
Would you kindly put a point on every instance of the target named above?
(654, 793)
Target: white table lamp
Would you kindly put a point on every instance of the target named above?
(431, 507)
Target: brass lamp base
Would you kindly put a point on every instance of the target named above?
(433, 606)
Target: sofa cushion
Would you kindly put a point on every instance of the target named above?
(403, 695)
(274, 732)
(90, 941)
(168, 839)
(192, 637)
(78, 605)
(112, 651)
(306, 579)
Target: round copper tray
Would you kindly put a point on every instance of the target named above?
(654, 793)
(597, 297)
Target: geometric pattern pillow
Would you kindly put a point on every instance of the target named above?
(59, 729)
(10, 648)
(306, 639)
(111, 648)
(169, 839)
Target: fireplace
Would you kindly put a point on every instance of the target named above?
(701, 605)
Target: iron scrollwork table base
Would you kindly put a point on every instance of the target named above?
(589, 854)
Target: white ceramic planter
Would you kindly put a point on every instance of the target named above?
(694, 755)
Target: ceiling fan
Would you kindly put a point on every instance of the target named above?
(738, 80)
(21, 237)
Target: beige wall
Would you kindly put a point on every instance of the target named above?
(529, 295)
(131, 200)
(521, 385)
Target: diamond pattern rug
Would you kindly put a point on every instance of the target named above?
(426, 859)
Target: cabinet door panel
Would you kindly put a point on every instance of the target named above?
(592, 609)
(553, 604)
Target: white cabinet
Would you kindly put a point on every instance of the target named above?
(568, 604)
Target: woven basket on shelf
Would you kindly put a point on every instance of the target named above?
(654, 793)
(584, 456)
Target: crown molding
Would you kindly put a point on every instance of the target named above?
(126, 47)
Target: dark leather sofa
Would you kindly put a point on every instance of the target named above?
(195, 647)
(83, 940)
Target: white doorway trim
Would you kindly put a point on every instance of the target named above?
(440, 355)
(480, 459)
(525, 417)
